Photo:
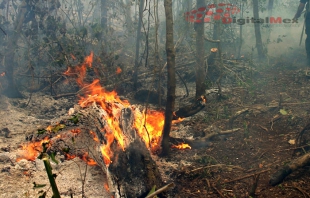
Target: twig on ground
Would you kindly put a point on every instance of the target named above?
(216, 165)
(305, 194)
(246, 176)
(219, 192)
(167, 187)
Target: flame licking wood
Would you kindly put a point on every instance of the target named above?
(31, 150)
(148, 124)
(182, 146)
(79, 71)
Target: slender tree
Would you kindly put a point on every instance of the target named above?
(258, 36)
(270, 8)
(171, 84)
(135, 74)
(104, 22)
(200, 52)
(12, 90)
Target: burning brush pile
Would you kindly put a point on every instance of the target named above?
(106, 131)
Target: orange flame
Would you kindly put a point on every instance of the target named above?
(88, 160)
(118, 70)
(178, 120)
(149, 126)
(94, 136)
(182, 146)
(31, 151)
(76, 131)
(106, 187)
(80, 71)
(49, 128)
(85, 158)
(70, 157)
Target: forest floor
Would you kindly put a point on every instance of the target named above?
(226, 168)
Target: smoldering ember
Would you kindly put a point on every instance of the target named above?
(154, 99)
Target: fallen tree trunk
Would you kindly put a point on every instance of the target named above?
(285, 171)
(126, 160)
(191, 109)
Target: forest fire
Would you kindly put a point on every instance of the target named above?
(182, 146)
(148, 124)
(31, 151)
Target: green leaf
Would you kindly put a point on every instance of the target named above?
(75, 118)
(41, 131)
(35, 185)
(283, 112)
(152, 190)
(58, 127)
(66, 150)
(53, 158)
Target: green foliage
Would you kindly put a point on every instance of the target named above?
(152, 191)
(41, 131)
(246, 129)
(58, 127)
(35, 185)
(75, 118)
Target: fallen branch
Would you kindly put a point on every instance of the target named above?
(219, 192)
(305, 194)
(211, 135)
(285, 171)
(203, 142)
(246, 176)
(191, 109)
(216, 165)
(237, 114)
(212, 41)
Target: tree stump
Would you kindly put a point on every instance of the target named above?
(108, 139)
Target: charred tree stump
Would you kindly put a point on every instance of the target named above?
(285, 171)
(128, 165)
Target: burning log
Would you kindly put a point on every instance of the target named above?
(109, 140)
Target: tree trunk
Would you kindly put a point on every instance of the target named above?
(240, 32)
(156, 54)
(258, 36)
(12, 90)
(200, 52)
(128, 17)
(171, 84)
(270, 8)
(216, 28)
(135, 74)
(104, 22)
